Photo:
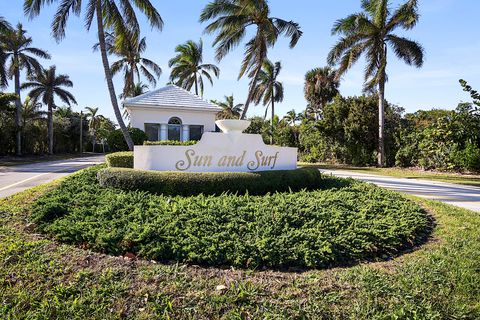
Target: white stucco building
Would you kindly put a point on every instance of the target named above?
(171, 113)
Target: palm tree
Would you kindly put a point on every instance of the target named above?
(4, 27)
(268, 89)
(230, 109)
(16, 48)
(291, 117)
(93, 123)
(188, 69)
(45, 86)
(370, 33)
(321, 86)
(130, 51)
(117, 15)
(233, 17)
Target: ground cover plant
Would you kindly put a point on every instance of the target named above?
(41, 278)
(306, 229)
(211, 183)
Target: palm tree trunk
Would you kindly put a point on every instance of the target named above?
(381, 123)
(18, 112)
(271, 120)
(108, 75)
(250, 91)
(50, 128)
(196, 85)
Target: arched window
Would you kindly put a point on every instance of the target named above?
(175, 129)
(174, 120)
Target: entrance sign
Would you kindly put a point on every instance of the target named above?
(231, 151)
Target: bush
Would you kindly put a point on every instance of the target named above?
(318, 228)
(170, 143)
(116, 141)
(194, 183)
(120, 159)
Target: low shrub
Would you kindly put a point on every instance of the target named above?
(120, 159)
(194, 183)
(320, 228)
(169, 143)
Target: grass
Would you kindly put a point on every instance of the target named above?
(458, 178)
(43, 279)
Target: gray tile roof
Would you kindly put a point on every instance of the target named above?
(171, 96)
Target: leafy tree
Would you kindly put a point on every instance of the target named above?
(130, 49)
(188, 69)
(19, 53)
(230, 110)
(268, 89)
(371, 32)
(321, 86)
(231, 19)
(45, 86)
(7, 125)
(117, 15)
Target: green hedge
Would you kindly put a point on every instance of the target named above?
(120, 159)
(194, 183)
(169, 143)
(320, 228)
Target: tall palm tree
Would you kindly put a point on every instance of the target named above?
(19, 54)
(188, 68)
(93, 123)
(45, 86)
(268, 89)
(371, 32)
(321, 86)
(4, 27)
(130, 49)
(231, 21)
(117, 15)
(230, 110)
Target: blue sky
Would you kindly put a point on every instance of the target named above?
(448, 30)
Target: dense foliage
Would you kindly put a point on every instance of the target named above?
(441, 139)
(347, 132)
(210, 183)
(116, 140)
(170, 143)
(303, 229)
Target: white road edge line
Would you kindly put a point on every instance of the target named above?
(34, 177)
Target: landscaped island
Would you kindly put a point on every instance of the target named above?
(332, 222)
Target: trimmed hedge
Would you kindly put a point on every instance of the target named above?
(194, 183)
(169, 143)
(320, 228)
(120, 159)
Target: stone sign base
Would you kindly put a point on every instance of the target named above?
(217, 152)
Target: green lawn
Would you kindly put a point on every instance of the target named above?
(42, 279)
(458, 178)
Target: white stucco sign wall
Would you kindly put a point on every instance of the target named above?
(217, 152)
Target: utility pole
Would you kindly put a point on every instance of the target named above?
(81, 132)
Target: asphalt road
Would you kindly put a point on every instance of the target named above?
(18, 178)
(459, 195)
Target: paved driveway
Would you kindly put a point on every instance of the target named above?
(459, 195)
(18, 178)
